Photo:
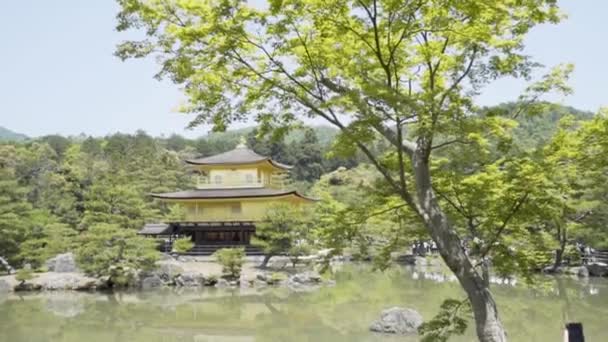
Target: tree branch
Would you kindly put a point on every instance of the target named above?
(500, 230)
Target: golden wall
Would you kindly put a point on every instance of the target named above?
(232, 210)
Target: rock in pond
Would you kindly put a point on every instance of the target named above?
(53, 281)
(306, 278)
(168, 270)
(582, 272)
(306, 281)
(68, 281)
(397, 320)
(62, 263)
(190, 279)
(151, 282)
(598, 269)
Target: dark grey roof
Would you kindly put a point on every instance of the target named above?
(240, 155)
(228, 193)
(155, 229)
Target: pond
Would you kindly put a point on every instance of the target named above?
(340, 313)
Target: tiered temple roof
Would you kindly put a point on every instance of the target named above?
(241, 155)
(228, 193)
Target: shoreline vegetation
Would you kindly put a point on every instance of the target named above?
(89, 196)
(275, 313)
(182, 271)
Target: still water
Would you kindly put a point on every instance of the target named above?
(340, 313)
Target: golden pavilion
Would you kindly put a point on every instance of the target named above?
(233, 192)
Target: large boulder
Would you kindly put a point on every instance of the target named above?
(397, 320)
(190, 279)
(168, 270)
(582, 272)
(406, 259)
(66, 281)
(306, 281)
(267, 278)
(25, 286)
(151, 282)
(306, 278)
(62, 263)
(598, 269)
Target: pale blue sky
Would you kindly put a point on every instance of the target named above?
(58, 74)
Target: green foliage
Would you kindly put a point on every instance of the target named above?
(50, 239)
(175, 213)
(24, 275)
(182, 245)
(451, 320)
(231, 259)
(211, 280)
(283, 227)
(115, 252)
(15, 211)
(298, 251)
(534, 131)
(356, 212)
(108, 201)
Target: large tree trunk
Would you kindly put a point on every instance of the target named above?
(488, 324)
(559, 253)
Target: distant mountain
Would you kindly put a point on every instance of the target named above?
(8, 135)
(536, 130)
(325, 134)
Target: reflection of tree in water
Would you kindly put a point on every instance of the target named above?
(296, 321)
(27, 319)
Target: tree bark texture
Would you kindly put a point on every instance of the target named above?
(488, 325)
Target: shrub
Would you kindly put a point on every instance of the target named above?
(182, 245)
(283, 226)
(52, 239)
(210, 280)
(231, 259)
(24, 274)
(117, 253)
(298, 251)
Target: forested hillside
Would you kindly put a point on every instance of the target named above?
(535, 130)
(56, 190)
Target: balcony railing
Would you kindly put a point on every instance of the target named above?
(276, 181)
(206, 183)
(220, 217)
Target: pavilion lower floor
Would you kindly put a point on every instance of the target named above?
(217, 233)
(207, 236)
